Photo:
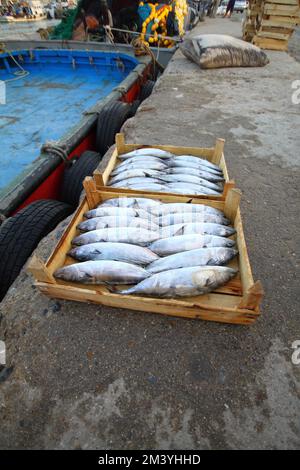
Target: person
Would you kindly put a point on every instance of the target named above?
(93, 14)
(229, 9)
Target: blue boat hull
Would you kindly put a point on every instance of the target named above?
(59, 99)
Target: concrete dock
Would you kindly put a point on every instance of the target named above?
(89, 377)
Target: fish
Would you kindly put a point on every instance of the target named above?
(102, 272)
(209, 228)
(173, 170)
(196, 229)
(190, 188)
(144, 165)
(171, 245)
(201, 257)
(97, 223)
(132, 202)
(145, 152)
(192, 218)
(177, 163)
(185, 178)
(134, 174)
(103, 211)
(183, 282)
(182, 207)
(137, 160)
(147, 186)
(125, 252)
(135, 181)
(199, 160)
(132, 235)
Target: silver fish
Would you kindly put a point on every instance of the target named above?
(209, 229)
(145, 152)
(197, 161)
(147, 186)
(116, 212)
(176, 162)
(138, 173)
(114, 251)
(192, 218)
(196, 229)
(109, 222)
(134, 236)
(169, 246)
(133, 202)
(183, 282)
(195, 171)
(185, 178)
(132, 182)
(134, 160)
(102, 272)
(182, 207)
(190, 188)
(144, 165)
(200, 257)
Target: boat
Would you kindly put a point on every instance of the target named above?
(155, 26)
(64, 106)
(34, 12)
(55, 94)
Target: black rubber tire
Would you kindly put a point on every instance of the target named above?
(134, 107)
(20, 234)
(110, 121)
(146, 89)
(74, 175)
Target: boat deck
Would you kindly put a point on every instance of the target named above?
(47, 102)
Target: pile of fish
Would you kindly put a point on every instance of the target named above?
(151, 169)
(164, 250)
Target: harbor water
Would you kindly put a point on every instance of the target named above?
(24, 30)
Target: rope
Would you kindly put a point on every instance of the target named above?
(19, 73)
(136, 33)
(55, 148)
(141, 48)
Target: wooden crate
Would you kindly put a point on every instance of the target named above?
(214, 155)
(237, 302)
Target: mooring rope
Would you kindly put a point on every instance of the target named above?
(51, 146)
(19, 73)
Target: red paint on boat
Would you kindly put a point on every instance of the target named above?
(50, 188)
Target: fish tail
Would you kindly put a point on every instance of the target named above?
(131, 290)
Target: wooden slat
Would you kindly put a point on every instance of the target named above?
(273, 35)
(202, 311)
(109, 193)
(272, 44)
(282, 10)
(284, 2)
(58, 256)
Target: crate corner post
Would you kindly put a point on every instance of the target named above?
(232, 203)
(92, 195)
(38, 269)
(120, 143)
(218, 151)
(253, 297)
